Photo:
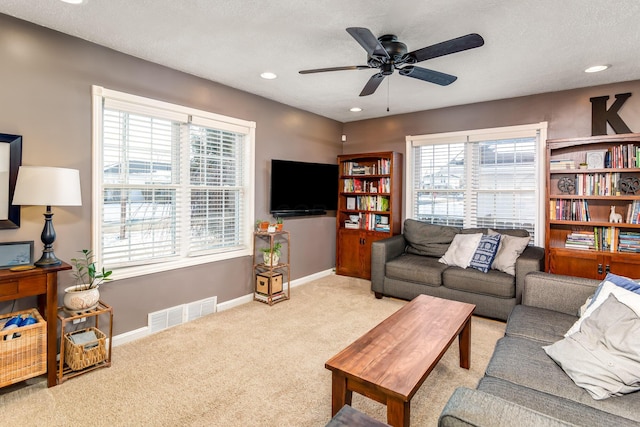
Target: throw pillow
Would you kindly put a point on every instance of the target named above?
(485, 252)
(461, 250)
(629, 298)
(623, 282)
(603, 357)
(508, 252)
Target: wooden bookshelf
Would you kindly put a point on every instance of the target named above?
(369, 189)
(581, 239)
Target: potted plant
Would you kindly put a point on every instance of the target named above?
(279, 224)
(84, 295)
(262, 225)
(271, 257)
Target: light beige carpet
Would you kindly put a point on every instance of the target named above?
(252, 365)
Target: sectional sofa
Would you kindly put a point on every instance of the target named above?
(524, 386)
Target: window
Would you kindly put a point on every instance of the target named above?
(486, 178)
(172, 185)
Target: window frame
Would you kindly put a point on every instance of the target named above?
(199, 118)
(484, 135)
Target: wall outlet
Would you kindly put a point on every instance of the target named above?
(82, 319)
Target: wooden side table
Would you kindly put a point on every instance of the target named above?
(43, 283)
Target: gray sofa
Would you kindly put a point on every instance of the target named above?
(525, 387)
(406, 265)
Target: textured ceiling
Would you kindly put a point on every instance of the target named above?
(531, 46)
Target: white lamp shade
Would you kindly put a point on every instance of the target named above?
(47, 186)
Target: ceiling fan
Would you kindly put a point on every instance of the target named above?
(388, 54)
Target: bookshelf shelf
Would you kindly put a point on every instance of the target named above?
(581, 240)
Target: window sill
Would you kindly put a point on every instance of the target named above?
(142, 270)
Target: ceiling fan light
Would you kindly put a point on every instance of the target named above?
(268, 75)
(596, 68)
(355, 109)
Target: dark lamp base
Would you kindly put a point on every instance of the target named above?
(48, 259)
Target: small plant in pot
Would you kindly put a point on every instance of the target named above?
(271, 257)
(84, 295)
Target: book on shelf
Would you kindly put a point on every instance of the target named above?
(561, 164)
(623, 156)
(633, 212)
(569, 210)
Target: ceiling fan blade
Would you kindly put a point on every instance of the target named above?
(368, 41)
(322, 70)
(372, 84)
(427, 75)
(470, 41)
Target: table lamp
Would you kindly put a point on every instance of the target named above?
(47, 186)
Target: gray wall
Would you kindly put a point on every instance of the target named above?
(568, 114)
(45, 96)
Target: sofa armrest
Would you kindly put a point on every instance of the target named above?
(531, 259)
(468, 407)
(382, 251)
(565, 294)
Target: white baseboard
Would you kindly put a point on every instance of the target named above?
(145, 331)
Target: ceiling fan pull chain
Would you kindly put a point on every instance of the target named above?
(388, 85)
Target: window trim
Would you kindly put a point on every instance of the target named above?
(199, 117)
(478, 135)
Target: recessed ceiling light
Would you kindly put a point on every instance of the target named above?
(269, 76)
(596, 68)
(355, 109)
(73, 1)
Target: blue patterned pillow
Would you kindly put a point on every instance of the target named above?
(485, 253)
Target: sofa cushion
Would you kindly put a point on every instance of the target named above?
(524, 362)
(416, 268)
(540, 324)
(554, 406)
(603, 357)
(428, 239)
(494, 283)
(461, 250)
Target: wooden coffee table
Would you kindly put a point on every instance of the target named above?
(390, 362)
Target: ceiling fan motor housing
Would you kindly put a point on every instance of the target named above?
(395, 48)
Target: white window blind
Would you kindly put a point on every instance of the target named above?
(173, 184)
(478, 179)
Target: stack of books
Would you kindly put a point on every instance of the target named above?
(560, 164)
(629, 241)
(584, 240)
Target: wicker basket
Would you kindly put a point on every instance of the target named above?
(81, 356)
(24, 356)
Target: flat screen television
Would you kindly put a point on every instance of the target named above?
(301, 188)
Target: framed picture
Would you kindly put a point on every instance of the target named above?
(10, 161)
(595, 159)
(351, 203)
(16, 253)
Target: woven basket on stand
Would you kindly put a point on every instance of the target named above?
(81, 356)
